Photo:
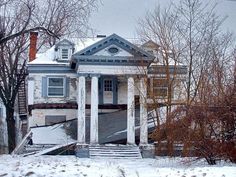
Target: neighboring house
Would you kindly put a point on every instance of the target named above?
(72, 82)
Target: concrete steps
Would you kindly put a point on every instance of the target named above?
(115, 152)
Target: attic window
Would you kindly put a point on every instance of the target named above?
(113, 50)
(64, 54)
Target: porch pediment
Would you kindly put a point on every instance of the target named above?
(112, 50)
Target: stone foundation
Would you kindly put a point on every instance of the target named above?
(82, 150)
(147, 151)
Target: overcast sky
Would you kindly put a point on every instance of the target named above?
(120, 16)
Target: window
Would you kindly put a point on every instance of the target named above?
(108, 85)
(56, 86)
(158, 87)
(64, 54)
(113, 50)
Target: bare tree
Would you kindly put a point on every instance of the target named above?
(198, 27)
(191, 32)
(210, 125)
(160, 27)
(53, 18)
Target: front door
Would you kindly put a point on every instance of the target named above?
(108, 91)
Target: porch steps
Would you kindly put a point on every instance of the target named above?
(115, 152)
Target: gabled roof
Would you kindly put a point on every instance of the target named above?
(64, 42)
(150, 44)
(86, 56)
(119, 41)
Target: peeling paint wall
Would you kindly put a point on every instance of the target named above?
(38, 90)
(122, 90)
(38, 115)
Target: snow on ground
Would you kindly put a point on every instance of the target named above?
(71, 166)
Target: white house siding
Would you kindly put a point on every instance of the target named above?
(122, 91)
(38, 89)
(180, 90)
(38, 115)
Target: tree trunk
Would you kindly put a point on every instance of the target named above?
(11, 129)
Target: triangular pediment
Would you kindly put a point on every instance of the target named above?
(112, 50)
(64, 42)
(114, 40)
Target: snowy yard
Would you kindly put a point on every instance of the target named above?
(71, 166)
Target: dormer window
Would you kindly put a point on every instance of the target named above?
(64, 50)
(64, 54)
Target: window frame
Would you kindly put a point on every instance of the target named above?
(159, 87)
(63, 87)
(108, 85)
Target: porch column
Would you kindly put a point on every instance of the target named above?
(143, 113)
(81, 109)
(94, 110)
(130, 112)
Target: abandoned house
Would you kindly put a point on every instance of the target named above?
(103, 76)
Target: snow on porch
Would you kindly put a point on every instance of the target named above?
(54, 134)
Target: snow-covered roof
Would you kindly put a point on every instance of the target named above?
(85, 43)
(49, 57)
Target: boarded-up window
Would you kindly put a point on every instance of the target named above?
(64, 54)
(50, 120)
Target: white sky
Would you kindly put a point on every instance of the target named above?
(120, 16)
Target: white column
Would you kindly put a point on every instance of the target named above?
(130, 112)
(81, 110)
(143, 113)
(94, 111)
